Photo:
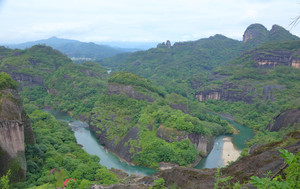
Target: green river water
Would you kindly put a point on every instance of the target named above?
(90, 143)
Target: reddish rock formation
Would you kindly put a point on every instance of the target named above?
(15, 131)
(255, 33)
(228, 92)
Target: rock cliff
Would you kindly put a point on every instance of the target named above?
(271, 58)
(118, 148)
(202, 143)
(114, 88)
(15, 131)
(285, 119)
(264, 159)
(255, 33)
(228, 91)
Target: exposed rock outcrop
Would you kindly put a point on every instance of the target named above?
(271, 59)
(114, 88)
(165, 45)
(228, 91)
(202, 143)
(118, 148)
(284, 119)
(265, 158)
(255, 33)
(15, 131)
(268, 91)
(26, 80)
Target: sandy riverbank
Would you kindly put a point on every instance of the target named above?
(230, 153)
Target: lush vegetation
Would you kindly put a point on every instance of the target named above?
(290, 179)
(265, 104)
(117, 114)
(6, 82)
(177, 72)
(185, 66)
(83, 89)
(127, 78)
(56, 156)
(173, 68)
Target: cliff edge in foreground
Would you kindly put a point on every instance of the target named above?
(15, 130)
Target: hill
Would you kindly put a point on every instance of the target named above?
(181, 67)
(76, 50)
(256, 87)
(124, 110)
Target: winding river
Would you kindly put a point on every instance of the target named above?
(226, 147)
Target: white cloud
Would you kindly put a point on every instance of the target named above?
(138, 20)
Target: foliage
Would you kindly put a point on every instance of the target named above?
(127, 78)
(272, 90)
(221, 181)
(291, 176)
(159, 183)
(105, 177)
(6, 82)
(155, 150)
(173, 68)
(4, 181)
(117, 114)
(56, 155)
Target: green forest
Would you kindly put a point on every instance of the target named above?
(150, 106)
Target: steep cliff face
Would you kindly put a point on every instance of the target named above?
(228, 91)
(272, 58)
(255, 33)
(265, 158)
(119, 147)
(27, 80)
(202, 143)
(15, 131)
(285, 119)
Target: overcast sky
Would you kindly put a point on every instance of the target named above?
(139, 20)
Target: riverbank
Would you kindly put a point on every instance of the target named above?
(230, 153)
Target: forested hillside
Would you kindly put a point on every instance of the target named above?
(156, 107)
(181, 67)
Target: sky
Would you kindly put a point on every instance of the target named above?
(139, 20)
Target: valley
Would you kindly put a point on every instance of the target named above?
(158, 111)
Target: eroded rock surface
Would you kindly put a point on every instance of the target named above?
(15, 131)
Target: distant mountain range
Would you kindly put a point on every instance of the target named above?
(76, 50)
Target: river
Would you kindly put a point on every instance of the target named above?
(232, 145)
(88, 140)
(226, 147)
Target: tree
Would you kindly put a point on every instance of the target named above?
(4, 181)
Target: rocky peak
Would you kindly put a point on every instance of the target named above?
(166, 44)
(255, 33)
(279, 33)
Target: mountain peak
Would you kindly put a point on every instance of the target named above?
(280, 33)
(255, 32)
(258, 33)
